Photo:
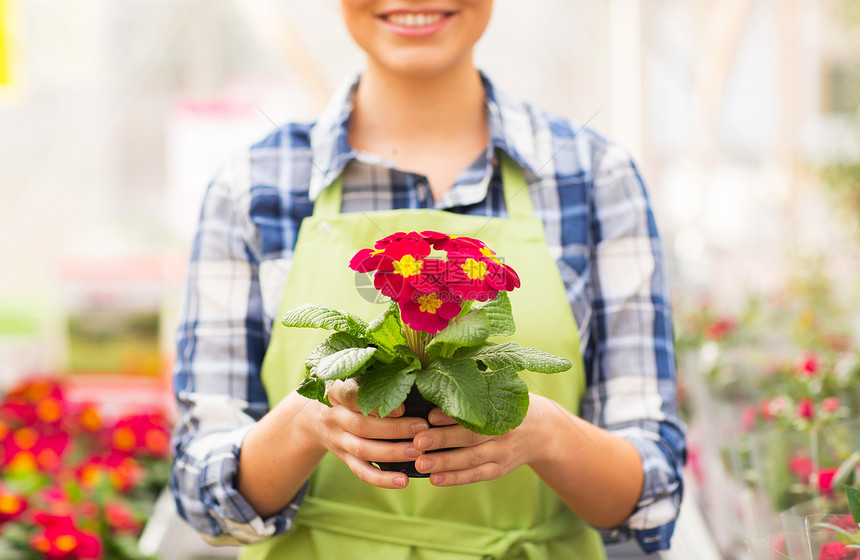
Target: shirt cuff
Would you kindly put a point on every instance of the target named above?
(653, 521)
(205, 489)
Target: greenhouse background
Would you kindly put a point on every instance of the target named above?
(742, 116)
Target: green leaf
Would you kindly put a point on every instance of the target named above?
(73, 491)
(25, 482)
(385, 330)
(457, 387)
(845, 472)
(500, 314)
(10, 552)
(126, 546)
(406, 352)
(320, 317)
(385, 388)
(315, 389)
(853, 503)
(511, 354)
(17, 533)
(468, 330)
(837, 529)
(342, 364)
(508, 403)
(334, 343)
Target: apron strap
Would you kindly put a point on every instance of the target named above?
(355, 521)
(328, 202)
(518, 200)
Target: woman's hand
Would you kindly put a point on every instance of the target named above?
(477, 457)
(357, 439)
(551, 441)
(282, 450)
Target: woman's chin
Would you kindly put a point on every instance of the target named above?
(420, 66)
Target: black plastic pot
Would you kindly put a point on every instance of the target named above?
(416, 407)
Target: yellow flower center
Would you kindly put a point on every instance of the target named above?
(23, 462)
(48, 458)
(124, 439)
(90, 419)
(66, 543)
(475, 270)
(156, 441)
(9, 504)
(37, 391)
(49, 410)
(407, 266)
(91, 475)
(429, 303)
(490, 255)
(26, 438)
(42, 544)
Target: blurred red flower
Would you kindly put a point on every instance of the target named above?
(809, 365)
(60, 539)
(801, 467)
(719, 329)
(825, 480)
(142, 434)
(12, 505)
(805, 409)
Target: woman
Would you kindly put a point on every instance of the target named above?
(422, 128)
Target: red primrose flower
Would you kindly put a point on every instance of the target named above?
(430, 291)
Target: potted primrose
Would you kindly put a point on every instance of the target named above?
(430, 347)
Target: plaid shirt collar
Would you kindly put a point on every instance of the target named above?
(510, 127)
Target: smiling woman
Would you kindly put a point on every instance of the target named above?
(417, 39)
(424, 142)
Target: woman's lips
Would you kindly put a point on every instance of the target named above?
(416, 24)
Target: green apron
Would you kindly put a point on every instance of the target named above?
(514, 517)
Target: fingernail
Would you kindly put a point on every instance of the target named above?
(424, 442)
(412, 453)
(437, 478)
(426, 463)
(400, 481)
(418, 427)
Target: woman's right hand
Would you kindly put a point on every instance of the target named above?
(357, 439)
(282, 450)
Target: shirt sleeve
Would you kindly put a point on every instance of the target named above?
(221, 341)
(629, 356)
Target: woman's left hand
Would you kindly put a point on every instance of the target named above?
(475, 457)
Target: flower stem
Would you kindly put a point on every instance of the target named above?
(417, 342)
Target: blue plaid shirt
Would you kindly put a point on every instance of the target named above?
(599, 227)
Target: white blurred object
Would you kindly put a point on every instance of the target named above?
(167, 537)
(202, 133)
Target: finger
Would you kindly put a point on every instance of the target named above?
(345, 393)
(372, 427)
(373, 450)
(447, 436)
(371, 475)
(439, 418)
(460, 459)
(486, 471)
(396, 413)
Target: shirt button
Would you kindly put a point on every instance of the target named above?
(324, 228)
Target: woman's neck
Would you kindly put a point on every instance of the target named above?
(407, 118)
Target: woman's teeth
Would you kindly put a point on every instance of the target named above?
(414, 20)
